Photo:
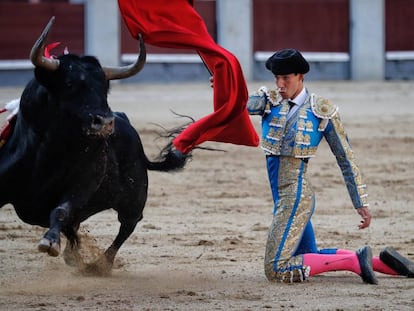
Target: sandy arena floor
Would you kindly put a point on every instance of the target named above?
(201, 243)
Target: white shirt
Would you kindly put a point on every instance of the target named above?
(298, 101)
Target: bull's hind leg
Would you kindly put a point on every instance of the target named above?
(125, 230)
(50, 243)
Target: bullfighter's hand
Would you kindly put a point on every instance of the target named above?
(211, 81)
(366, 217)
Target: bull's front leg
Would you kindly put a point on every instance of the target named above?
(50, 243)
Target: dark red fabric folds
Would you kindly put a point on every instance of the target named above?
(176, 24)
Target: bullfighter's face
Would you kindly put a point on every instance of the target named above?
(289, 85)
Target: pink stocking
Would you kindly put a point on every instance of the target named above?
(320, 263)
(377, 264)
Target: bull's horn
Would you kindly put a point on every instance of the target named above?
(113, 73)
(36, 54)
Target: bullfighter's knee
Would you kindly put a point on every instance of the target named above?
(285, 272)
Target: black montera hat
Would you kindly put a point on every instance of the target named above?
(287, 61)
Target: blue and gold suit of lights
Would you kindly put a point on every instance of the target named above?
(289, 140)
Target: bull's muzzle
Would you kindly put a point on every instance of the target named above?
(101, 126)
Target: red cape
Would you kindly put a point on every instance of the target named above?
(176, 24)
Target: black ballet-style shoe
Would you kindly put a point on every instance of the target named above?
(364, 255)
(393, 259)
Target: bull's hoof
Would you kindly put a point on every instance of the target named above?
(45, 246)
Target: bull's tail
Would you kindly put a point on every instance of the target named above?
(170, 159)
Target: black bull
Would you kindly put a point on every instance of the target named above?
(70, 157)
